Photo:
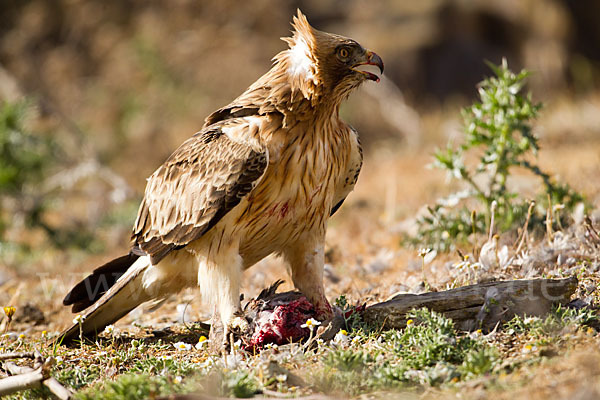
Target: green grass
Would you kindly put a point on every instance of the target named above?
(429, 352)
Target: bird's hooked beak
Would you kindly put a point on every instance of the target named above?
(370, 58)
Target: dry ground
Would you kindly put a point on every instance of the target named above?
(366, 262)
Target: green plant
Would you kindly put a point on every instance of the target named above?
(428, 339)
(129, 387)
(24, 159)
(240, 384)
(479, 362)
(347, 360)
(27, 159)
(431, 351)
(350, 313)
(499, 133)
(345, 370)
(553, 324)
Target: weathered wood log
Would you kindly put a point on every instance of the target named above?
(479, 306)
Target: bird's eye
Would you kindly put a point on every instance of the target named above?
(343, 53)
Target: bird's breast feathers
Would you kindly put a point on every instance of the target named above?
(311, 168)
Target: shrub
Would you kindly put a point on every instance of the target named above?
(499, 133)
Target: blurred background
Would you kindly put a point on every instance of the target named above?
(96, 94)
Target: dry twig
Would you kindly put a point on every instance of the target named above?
(24, 378)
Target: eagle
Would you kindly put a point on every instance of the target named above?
(262, 176)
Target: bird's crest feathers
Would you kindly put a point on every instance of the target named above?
(300, 60)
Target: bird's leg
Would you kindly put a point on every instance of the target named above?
(306, 261)
(219, 280)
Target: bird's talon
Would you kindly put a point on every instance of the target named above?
(238, 325)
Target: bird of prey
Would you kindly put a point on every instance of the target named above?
(262, 176)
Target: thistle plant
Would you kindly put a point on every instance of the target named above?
(498, 131)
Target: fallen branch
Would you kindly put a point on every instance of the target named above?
(480, 306)
(11, 356)
(20, 382)
(24, 378)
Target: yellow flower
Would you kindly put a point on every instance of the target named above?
(344, 332)
(528, 348)
(9, 311)
(44, 334)
(202, 341)
(409, 322)
(591, 331)
(21, 336)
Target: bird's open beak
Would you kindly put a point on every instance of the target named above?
(370, 58)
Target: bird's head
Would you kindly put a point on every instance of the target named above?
(320, 63)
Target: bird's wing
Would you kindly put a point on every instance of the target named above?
(352, 172)
(201, 182)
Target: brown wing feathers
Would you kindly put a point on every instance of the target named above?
(200, 183)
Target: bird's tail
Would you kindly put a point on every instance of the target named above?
(119, 296)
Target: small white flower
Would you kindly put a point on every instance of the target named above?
(310, 324)
(78, 319)
(530, 320)
(59, 359)
(22, 337)
(202, 341)
(423, 252)
(281, 378)
(271, 346)
(429, 257)
(177, 380)
(209, 363)
(165, 357)
(182, 346)
(355, 340)
(109, 329)
(341, 337)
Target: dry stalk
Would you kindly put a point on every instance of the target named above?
(524, 235)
